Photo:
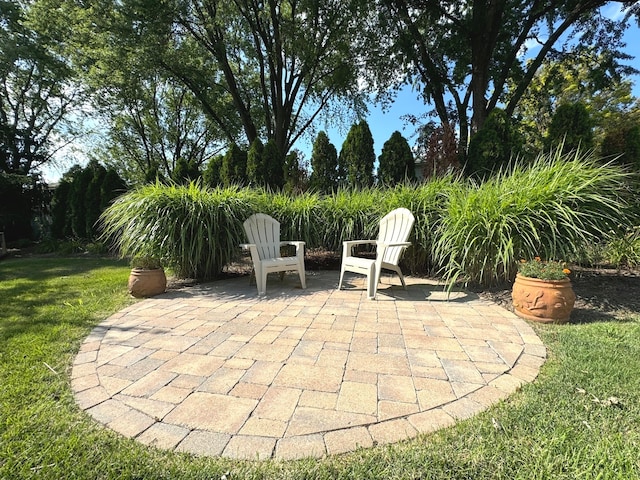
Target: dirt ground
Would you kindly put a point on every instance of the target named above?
(601, 294)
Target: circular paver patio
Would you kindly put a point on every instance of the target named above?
(216, 370)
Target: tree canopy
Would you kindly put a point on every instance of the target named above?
(37, 92)
(182, 80)
(467, 57)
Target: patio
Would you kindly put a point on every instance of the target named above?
(216, 370)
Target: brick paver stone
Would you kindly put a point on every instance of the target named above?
(301, 447)
(346, 440)
(212, 412)
(249, 448)
(162, 435)
(132, 423)
(200, 442)
(358, 398)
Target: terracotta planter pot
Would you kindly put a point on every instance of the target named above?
(546, 301)
(147, 283)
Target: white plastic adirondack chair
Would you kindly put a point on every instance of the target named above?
(264, 244)
(395, 228)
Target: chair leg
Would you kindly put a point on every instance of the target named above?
(399, 272)
(262, 288)
(303, 281)
(341, 276)
(372, 282)
(396, 269)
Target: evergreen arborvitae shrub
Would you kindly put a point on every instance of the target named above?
(81, 196)
(60, 225)
(572, 127)
(112, 187)
(256, 171)
(357, 156)
(273, 163)
(153, 174)
(623, 142)
(493, 146)
(234, 166)
(211, 175)
(77, 202)
(185, 171)
(294, 175)
(19, 195)
(324, 162)
(396, 162)
(92, 198)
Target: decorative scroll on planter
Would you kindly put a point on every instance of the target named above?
(147, 283)
(546, 301)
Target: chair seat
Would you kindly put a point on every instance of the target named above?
(359, 262)
(281, 262)
(263, 233)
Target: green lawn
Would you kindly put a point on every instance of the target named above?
(579, 419)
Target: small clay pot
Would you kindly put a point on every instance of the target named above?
(147, 283)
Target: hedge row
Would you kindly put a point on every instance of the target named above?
(553, 207)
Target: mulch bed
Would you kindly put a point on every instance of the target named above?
(601, 293)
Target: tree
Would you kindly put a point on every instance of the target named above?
(36, 92)
(396, 163)
(475, 51)
(437, 151)
(256, 171)
(571, 127)
(571, 79)
(155, 127)
(243, 61)
(234, 166)
(357, 155)
(324, 164)
(494, 145)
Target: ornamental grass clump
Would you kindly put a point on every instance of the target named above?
(543, 270)
(554, 206)
(195, 230)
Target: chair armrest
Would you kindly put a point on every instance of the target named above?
(296, 243)
(397, 244)
(348, 245)
(353, 243)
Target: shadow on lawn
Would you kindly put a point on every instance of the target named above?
(36, 293)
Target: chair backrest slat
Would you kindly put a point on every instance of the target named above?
(395, 227)
(264, 231)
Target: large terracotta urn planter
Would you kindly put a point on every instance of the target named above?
(545, 301)
(147, 283)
